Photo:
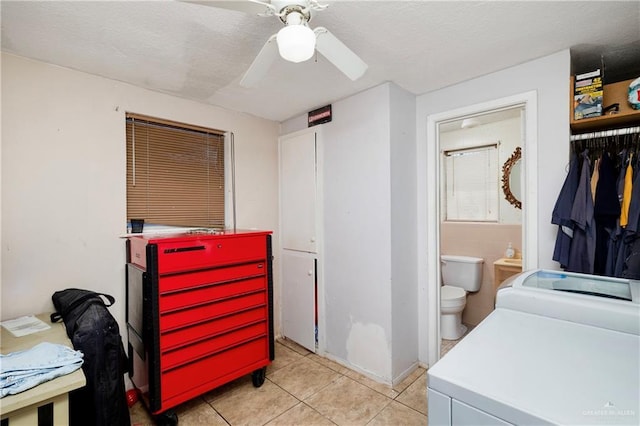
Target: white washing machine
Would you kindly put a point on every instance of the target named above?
(560, 348)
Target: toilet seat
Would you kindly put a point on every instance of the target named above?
(451, 293)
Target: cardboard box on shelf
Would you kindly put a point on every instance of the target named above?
(587, 99)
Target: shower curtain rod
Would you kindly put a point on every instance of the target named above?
(606, 133)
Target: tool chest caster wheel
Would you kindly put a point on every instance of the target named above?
(258, 377)
(168, 418)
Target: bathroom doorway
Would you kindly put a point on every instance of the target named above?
(476, 218)
(524, 107)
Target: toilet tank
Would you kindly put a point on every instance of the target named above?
(462, 271)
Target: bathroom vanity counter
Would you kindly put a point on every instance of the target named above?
(504, 268)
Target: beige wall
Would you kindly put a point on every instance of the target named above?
(63, 179)
(485, 240)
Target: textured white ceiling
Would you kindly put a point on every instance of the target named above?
(200, 52)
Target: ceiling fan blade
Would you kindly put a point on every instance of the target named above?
(339, 54)
(261, 64)
(247, 6)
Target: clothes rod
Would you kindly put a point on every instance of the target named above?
(606, 133)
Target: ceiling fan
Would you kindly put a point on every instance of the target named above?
(296, 41)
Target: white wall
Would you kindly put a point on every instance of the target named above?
(357, 235)
(369, 231)
(549, 76)
(63, 178)
(404, 282)
(63, 190)
(508, 133)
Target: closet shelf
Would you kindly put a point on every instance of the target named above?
(613, 93)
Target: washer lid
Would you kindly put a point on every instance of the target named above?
(450, 292)
(589, 285)
(538, 370)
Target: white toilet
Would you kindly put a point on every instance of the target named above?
(459, 275)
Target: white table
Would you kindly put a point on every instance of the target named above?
(22, 408)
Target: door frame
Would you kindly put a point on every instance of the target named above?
(430, 241)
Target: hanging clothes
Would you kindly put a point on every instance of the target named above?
(632, 231)
(595, 176)
(561, 215)
(603, 233)
(626, 194)
(633, 216)
(624, 160)
(583, 244)
(615, 252)
(632, 234)
(606, 211)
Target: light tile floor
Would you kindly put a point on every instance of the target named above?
(302, 388)
(446, 345)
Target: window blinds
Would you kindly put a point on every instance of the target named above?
(175, 173)
(471, 177)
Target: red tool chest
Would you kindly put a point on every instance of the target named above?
(199, 313)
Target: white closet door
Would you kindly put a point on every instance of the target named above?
(298, 297)
(298, 192)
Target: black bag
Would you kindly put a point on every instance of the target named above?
(93, 330)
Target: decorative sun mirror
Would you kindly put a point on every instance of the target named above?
(511, 178)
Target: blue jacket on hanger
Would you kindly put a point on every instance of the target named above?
(561, 215)
(583, 244)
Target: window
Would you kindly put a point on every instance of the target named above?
(175, 173)
(471, 184)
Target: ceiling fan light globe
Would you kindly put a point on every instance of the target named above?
(296, 43)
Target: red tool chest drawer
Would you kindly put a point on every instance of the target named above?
(209, 293)
(204, 374)
(206, 347)
(181, 336)
(205, 302)
(170, 320)
(175, 255)
(169, 283)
